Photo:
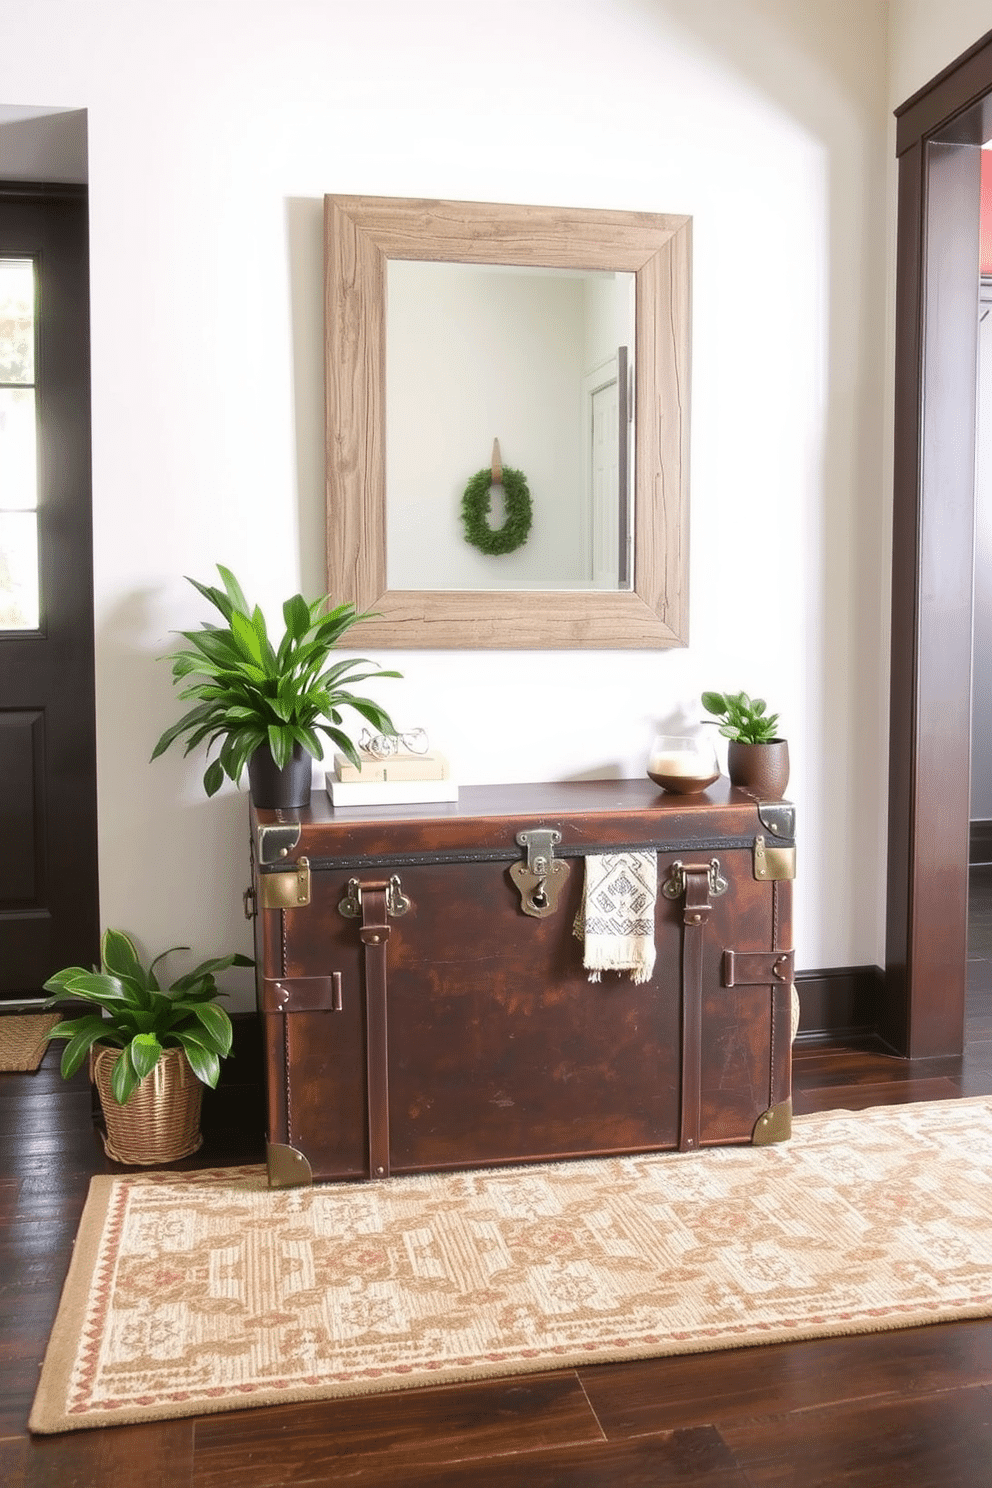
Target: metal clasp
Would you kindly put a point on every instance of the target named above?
(541, 879)
(674, 885)
(397, 903)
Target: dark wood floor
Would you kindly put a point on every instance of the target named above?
(910, 1408)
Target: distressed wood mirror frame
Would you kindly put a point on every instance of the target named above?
(362, 234)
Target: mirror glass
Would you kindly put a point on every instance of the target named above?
(538, 359)
(418, 388)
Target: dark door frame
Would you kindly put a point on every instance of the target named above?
(938, 134)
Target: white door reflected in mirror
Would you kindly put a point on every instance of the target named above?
(529, 356)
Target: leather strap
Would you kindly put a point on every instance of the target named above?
(375, 935)
(320, 994)
(758, 968)
(694, 917)
(781, 1050)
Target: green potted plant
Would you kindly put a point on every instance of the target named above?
(757, 758)
(151, 1048)
(265, 704)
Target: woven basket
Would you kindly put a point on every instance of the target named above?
(161, 1121)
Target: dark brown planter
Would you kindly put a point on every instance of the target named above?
(761, 769)
(280, 790)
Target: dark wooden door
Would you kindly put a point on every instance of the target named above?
(49, 913)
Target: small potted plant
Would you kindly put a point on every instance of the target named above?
(265, 704)
(757, 758)
(151, 1048)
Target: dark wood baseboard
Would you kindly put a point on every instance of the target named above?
(840, 1004)
(238, 1103)
(980, 844)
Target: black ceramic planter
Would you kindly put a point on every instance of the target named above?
(280, 790)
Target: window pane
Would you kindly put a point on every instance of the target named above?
(16, 320)
(19, 571)
(18, 450)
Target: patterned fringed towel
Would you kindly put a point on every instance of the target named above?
(616, 916)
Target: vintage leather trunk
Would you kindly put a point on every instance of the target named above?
(425, 1004)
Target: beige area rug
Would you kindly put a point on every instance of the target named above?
(204, 1291)
(22, 1039)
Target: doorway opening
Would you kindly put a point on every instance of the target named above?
(49, 912)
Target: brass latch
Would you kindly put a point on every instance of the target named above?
(773, 863)
(541, 879)
(674, 885)
(287, 889)
(350, 905)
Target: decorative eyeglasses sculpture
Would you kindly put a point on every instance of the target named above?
(381, 746)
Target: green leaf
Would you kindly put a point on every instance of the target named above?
(188, 720)
(58, 983)
(280, 745)
(162, 955)
(120, 958)
(91, 986)
(202, 1061)
(714, 702)
(234, 590)
(144, 1051)
(244, 633)
(296, 613)
(208, 969)
(217, 1025)
(82, 1034)
(213, 596)
(213, 778)
(123, 1080)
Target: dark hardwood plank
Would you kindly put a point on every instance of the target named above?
(650, 1395)
(944, 1442)
(48, 1111)
(862, 1097)
(699, 1457)
(406, 1429)
(158, 1455)
(823, 1068)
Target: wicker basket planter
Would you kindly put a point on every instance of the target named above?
(161, 1121)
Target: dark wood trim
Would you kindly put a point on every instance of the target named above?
(840, 1004)
(980, 844)
(936, 324)
(962, 84)
(50, 190)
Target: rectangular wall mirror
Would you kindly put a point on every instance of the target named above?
(564, 334)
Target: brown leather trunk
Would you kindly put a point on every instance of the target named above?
(425, 1005)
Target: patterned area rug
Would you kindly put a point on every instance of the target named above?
(22, 1039)
(204, 1291)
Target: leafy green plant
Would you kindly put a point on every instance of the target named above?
(741, 717)
(142, 1018)
(252, 693)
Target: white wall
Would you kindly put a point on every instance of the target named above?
(215, 127)
(924, 37)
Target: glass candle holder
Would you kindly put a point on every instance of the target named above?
(682, 763)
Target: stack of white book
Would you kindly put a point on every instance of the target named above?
(398, 779)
